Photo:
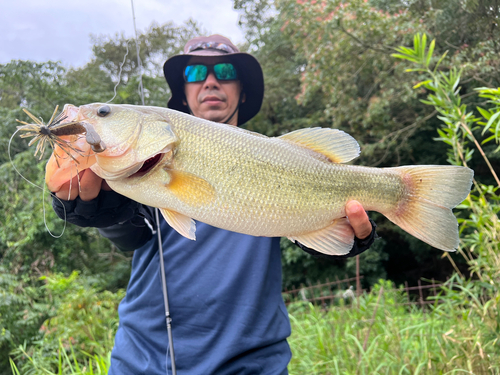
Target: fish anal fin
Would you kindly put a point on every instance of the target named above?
(190, 189)
(336, 145)
(336, 239)
(181, 223)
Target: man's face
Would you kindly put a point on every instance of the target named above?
(212, 99)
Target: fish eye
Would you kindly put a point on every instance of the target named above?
(103, 111)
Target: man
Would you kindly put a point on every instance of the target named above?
(228, 316)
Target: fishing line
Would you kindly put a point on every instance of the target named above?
(38, 187)
(168, 320)
(119, 74)
(139, 62)
(166, 358)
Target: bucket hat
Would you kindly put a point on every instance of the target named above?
(249, 72)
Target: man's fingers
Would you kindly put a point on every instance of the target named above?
(87, 187)
(90, 185)
(105, 186)
(69, 191)
(358, 219)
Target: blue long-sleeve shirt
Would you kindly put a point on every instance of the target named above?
(228, 316)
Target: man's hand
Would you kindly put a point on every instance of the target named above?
(89, 187)
(358, 219)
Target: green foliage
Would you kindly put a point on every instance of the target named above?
(81, 328)
(302, 268)
(348, 67)
(335, 59)
(67, 363)
(379, 335)
(27, 249)
(22, 311)
(461, 130)
(481, 229)
(26, 246)
(85, 315)
(491, 115)
(116, 58)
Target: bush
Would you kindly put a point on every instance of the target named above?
(82, 326)
(377, 334)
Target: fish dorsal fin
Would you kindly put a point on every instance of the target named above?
(190, 189)
(336, 145)
(181, 223)
(336, 239)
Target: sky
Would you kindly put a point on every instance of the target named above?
(59, 30)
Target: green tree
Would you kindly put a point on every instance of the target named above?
(328, 63)
(116, 57)
(27, 249)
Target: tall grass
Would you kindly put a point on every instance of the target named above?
(380, 335)
(79, 337)
(67, 362)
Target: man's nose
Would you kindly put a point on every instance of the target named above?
(211, 81)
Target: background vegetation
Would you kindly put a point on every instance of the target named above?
(326, 63)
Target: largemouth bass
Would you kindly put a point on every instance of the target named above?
(295, 185)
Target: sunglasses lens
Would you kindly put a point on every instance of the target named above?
(195, 73)
(225, 71)
(198, 73)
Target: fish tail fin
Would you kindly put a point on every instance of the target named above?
(426, 210)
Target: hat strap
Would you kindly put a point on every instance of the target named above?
(236, 109)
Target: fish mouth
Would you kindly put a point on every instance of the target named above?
(148, 165)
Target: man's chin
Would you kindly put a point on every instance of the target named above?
(216, 116)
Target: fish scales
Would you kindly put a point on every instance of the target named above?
(296, 185)
(276, 186)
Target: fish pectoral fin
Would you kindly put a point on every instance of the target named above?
(336, 145)
(181, 223)
(190, 189)
(336, 239)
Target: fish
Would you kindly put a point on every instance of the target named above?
(295, 185)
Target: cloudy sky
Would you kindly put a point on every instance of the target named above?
(43, 30)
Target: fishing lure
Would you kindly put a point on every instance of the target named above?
(52, 132)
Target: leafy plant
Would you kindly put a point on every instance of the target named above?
(481, 230)
(22, 312)
(66, 363)
(378, 334)
(79, 334)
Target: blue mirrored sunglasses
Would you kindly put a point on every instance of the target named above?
(199, 72)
